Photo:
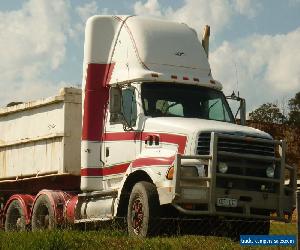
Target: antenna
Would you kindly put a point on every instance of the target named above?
(237, 79)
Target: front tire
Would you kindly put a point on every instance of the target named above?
(43, 214)
(143, 210)
(15, 217)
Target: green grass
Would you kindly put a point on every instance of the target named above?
(108, 239)
(283, 228)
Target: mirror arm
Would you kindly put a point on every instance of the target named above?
(241, 109)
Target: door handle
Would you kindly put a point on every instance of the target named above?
(152, 140)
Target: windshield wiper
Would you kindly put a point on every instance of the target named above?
(213, 104)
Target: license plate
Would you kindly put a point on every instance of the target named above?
(226, 202)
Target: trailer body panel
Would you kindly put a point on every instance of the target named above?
(41, 137)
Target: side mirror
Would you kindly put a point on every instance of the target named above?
(115, 104)
(129, 110)
(241, 109)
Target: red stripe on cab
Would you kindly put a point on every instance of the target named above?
(180, 140)
(95, 100)
(122, 136)
(99, 172)
(152, 161)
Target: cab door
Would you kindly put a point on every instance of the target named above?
(120, 140)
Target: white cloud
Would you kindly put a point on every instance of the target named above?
(151, 8)
(28, 91)
(197, 13)
(33, 44)
(84, 12)
(216, 13)
(293, 3)
(247, 7)
(87, 10)
(267, 67)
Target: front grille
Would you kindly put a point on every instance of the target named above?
(203, 144)
(247, 185)
(239, 166)
(241, 146)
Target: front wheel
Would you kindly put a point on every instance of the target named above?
(143, 210)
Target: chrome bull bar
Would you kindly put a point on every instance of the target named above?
(283, 199)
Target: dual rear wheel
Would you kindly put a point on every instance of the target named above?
(42, 215)
(142, 216)
(15, 217)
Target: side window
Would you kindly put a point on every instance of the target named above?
(215, 109)
(129, 106)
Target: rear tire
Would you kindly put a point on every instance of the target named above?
(15, 217)
(43, 214)
(143, 210)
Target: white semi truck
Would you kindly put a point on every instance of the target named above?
(150, 134)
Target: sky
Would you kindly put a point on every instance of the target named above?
(254, 45)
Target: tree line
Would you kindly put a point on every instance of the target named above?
(271, 113)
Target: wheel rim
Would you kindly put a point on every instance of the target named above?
(43, 220)
(16, 221)
(137, 215)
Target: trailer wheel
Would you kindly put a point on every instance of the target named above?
(43, 214)
(143, 210)
(15, 218)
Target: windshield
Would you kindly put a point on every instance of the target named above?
(182, 100)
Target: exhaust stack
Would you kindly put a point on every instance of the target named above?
(205, 39)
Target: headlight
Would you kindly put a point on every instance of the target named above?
(270, 171)
(223, 167)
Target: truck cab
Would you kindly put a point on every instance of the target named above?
(168, 136)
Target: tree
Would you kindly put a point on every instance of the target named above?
(294, 106)
(268, 113)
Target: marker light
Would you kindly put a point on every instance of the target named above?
(170, 173)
